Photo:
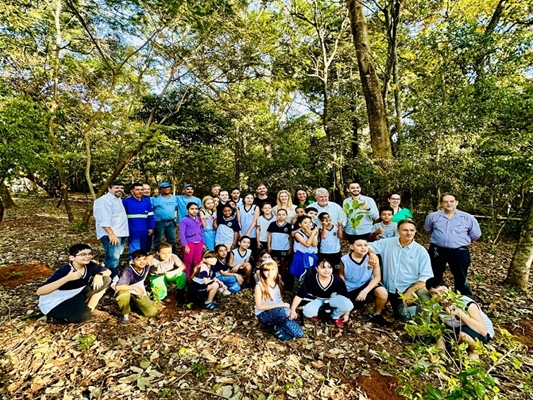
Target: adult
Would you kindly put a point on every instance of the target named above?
(147, 190)
(141, 222)
(111, 225)
(398, 213)
(235, 195)
(165, 216)
(215, 190)
(301, 199)
(361, 212)
(451, 232)
(405, 269)
(186, 198)
(263, 197)
(324, 205)
(284, 201)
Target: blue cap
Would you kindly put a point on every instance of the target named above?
(164, 185)
(188, 185)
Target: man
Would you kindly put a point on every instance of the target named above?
(361, 211)
(111, 225)
(451, 232)
(235, 195)
(405, 268)
(165, 216)
(324, 205)
(140, 219)
(263, 197)
(186, 198)
(147, 191)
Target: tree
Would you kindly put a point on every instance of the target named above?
(522, 261)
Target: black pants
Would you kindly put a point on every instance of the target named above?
(458, 259)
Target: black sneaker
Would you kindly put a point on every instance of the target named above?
(378, 319)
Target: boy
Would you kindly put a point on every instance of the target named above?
(72, 293)
(330, 244)
(386, 228)
(468, 324)
(130, 288)
(279, 242)
(310, 211)
(165, 269)
(362, 279)
(263, 222)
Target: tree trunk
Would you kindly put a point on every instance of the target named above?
(518, 274)
(5, 195)
(377, 116)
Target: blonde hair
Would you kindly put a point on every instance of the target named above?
(263, 282)
(205, 200)
(289, 205)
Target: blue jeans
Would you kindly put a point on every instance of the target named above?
(230, 281)
(113, 253)
(339, 304)
(278, 318)
(167, 229)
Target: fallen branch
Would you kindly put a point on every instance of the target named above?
(204, 391)
(503, 358)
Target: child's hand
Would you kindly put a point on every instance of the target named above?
(186, 249)
(74, 274)
(293, 315)
(380, 230)
(98, 281)
(361, 296)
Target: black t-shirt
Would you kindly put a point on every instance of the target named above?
(259, 202)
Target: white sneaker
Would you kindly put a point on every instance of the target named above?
(225, 292)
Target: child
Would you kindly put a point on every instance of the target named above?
(231, 279)
(72, 293)
(208, 215)
(227, 227)
(386, 228)
(323, 287)
(469, 324)
(269, 306)
(192, 238)
(239, 259)
(362, 279)
(166, 268)
(248, 214)
(263, 222)
(305, 249)
(280, 240)
(204, 284)
(130, 288)
(330, 244)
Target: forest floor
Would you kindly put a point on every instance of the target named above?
(198, 354)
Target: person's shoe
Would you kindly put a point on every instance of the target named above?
(339, 323)
(124, 320)
(284, 337)
(225, 292)
(314, 319)
(209, 305)
(378, 319)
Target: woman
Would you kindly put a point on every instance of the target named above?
(399, 213)
(301, 198)
(284, 201)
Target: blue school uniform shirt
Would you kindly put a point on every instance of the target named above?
(390, 230)
(280, 236)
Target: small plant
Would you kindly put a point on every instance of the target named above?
(164, 392)
(17, 273)
(199, 370)
(87, 341)
(354, 213)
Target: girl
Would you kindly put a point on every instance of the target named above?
(232, 280)
(227, 228)
(269, 306)
(239, 259)
(284, 202)
(208, 215)
(191, 237)
(330, 245)
(204, 284)
(305, 249)
(248, 215)
(301, 198)
(323, 288)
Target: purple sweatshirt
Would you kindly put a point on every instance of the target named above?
(191, 230)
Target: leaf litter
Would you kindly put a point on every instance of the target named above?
(197, 354)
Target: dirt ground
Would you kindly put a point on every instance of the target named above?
(198, 354)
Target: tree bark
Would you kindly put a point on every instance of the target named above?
(377, 116)
(518, 274)
(5, 196)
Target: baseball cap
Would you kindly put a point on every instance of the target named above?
(164, 185)
(188, 185)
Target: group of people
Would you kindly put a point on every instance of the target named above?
(229, 242)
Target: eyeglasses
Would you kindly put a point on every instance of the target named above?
(395, 198)
(84, 255)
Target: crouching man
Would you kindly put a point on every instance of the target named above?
(72, 293)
